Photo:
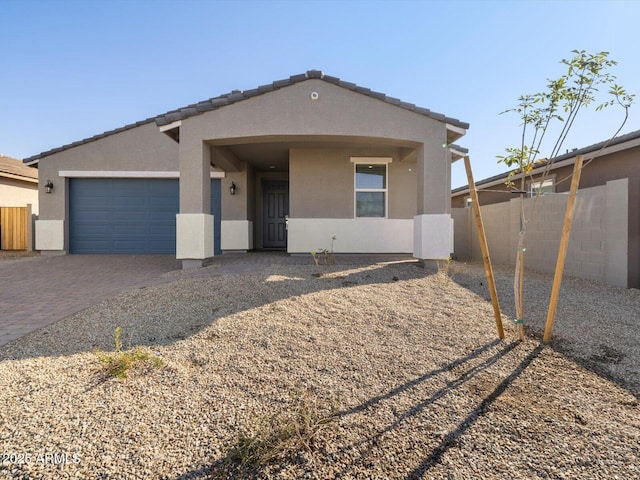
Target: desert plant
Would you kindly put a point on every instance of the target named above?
(120, 362)
(323, 257)
(279, 437)
(444, 268)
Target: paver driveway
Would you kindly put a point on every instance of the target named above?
(35, 292)
(38, 291)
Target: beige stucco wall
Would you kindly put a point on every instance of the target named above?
(338, 115)
(236, 207)
(14, 193)
(322, 183)
(403, 185)
(291, 111)
(142, 148)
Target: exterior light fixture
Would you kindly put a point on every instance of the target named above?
(48, 186)
(232, 188)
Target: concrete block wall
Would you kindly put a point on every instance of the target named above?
(598, 246)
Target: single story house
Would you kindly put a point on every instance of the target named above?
(18, 203)
(620, 159)
(287, 165)
(18, 184)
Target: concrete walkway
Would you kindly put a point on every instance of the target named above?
(38, 291)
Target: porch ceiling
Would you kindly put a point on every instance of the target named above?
(273, 154)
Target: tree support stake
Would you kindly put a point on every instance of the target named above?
(562, 252)
(488, 270)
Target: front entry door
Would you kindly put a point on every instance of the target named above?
(275, 211)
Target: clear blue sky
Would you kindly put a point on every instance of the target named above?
(73, 69)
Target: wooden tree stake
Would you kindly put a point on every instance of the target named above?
(484, 248)
(562, 252)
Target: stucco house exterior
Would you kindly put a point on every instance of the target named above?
(18, 184)
(18, 203)
(620, 159)
(287, 165)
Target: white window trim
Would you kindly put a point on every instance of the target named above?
(541, 184)
(371, 161)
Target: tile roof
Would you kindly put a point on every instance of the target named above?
(239, 95)
(565, 156)
(15, 168)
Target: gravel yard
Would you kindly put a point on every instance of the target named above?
(398, 368)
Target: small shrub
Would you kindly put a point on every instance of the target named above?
(119, 363)
(444, 266)
(281, 436)
(324, 257)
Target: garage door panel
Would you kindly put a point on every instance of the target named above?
(94, 245)
(162, 230)
(97, 203)
(118, 215)
(130, 246)
(130, 203)
(129, 215)
(93, 217)
(129, 230)
(97, 231)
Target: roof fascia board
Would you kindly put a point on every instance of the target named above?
(457, 154)
(18, 177)
(170, 126)
(455, 129)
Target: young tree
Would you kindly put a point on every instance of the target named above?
(557, 109)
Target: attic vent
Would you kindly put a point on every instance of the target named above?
(236, 91)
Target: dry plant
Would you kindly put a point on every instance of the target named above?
(120, 362)
(281, 436)
(323, 257)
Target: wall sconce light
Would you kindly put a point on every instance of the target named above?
(48, 186)
(232, 188)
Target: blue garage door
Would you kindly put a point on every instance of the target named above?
(110, 215)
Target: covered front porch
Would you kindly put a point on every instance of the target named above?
(295, 194)
(311, 160)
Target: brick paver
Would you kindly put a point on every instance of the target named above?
(35, 292)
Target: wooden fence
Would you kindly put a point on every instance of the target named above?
(14, 225)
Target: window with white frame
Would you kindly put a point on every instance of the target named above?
(468, 202)
(370, 187)
(542, 188)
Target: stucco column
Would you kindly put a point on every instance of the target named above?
(194, 224)
(433, 226)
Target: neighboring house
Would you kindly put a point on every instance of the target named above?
(621, 159)
(18, 184)
(18, 204)
(286, 165)
(605, 236)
